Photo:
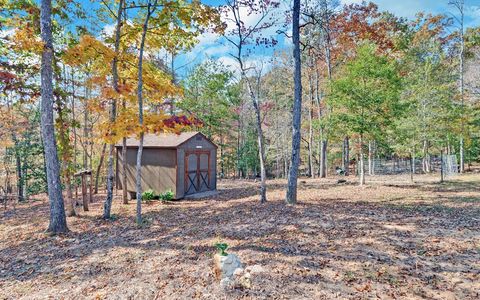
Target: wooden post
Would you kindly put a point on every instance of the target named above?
(83, 175)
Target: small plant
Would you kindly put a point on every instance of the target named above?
(148, 195)
(222, 247)
(167, 196)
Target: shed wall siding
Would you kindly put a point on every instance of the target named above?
(180, 173)
(164, 168)
(158, 169)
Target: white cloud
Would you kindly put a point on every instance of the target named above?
(409, 8)
(6, 33)
(108, 30)
(472, 11)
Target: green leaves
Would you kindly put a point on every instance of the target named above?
(222, 247)
(365, 94)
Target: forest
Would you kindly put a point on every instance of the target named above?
(347, 149)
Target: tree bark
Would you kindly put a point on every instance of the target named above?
(370, 161)
(442, 171)
(346, 156)
(261, 150)
(311, 171)
(124, 171)
(113, 111)
(460, 7)
(323, 159)
(20, 177)
(140, 112)
(84, 192)
(234, 6)
(412, 166)
(319, 112)
(99, 167)
(361, 168)
(58, 221)
(74, 135)
(291, 196)
(462, 154)
(426, 158)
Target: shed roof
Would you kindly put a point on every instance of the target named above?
(162, 140)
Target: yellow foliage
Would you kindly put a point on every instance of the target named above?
(174, 27)
(25, 40)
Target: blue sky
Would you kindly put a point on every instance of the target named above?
(212, 46)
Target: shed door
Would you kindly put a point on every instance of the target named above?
(197, 172)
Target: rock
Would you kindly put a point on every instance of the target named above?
(225, 266)
(238, 272)
(230, 272)
(226, 283)
(254, 269)
(244, 282)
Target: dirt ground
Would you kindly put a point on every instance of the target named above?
(388, 240)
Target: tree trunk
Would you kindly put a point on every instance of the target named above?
(361, 168)
(124, 171)
(319, 112)
(311, 171)
(442, 175)
(138, 178)
(291, 197)
(261, 150)
(426, 158)
(113, 111)
(71, 200)
(58, 221)
(260, 141)
(140, 113)
(370, 161)
(20, 177)
(412, 166)
(346, 157)
(254, 98)
(75, 146)
(85, 127)
(238, 148)
(462, 153)
(323, 159)
(460, 6)
(84, 192)
(99, 167)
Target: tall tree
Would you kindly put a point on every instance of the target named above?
(366, 96)
(113, 113)
(291, 197)
(240, 36)
(58, 221)
(459, 5)
(150, 10)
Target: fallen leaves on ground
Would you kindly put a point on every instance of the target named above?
(388, 240)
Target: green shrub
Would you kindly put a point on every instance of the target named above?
(148, 195)
(222, 247)
(167, 196)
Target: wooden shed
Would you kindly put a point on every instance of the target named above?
(185, 163)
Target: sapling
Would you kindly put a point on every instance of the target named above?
(222, 247)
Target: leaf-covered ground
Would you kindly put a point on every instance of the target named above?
(389, 240)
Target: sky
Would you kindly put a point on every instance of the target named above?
(212, 46)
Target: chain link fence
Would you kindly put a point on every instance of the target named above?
(384, 166)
